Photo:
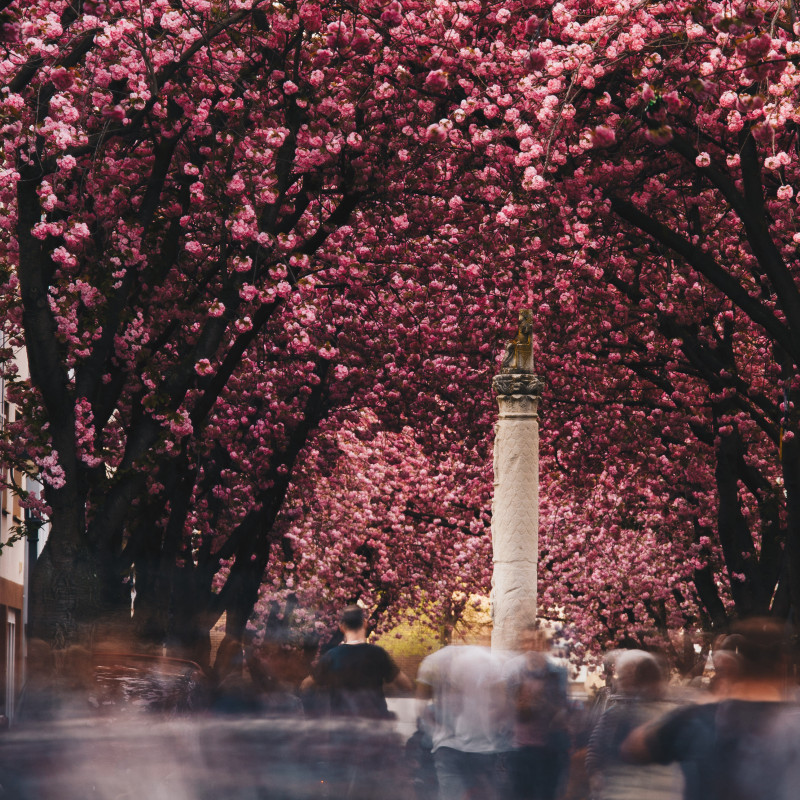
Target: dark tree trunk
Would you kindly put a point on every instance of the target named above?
(75, 596)
(791, 477)
(734, 534)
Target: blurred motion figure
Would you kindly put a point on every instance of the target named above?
(745, 746)
(537, 690)
(468, 720)
(638, 698)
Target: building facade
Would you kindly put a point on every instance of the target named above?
(16, 560)
(13, 575)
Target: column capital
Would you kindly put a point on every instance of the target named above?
(517, 384)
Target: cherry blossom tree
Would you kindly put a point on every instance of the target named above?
(218, 235)
(658, 148)
(632, 166)
(635, 163)
(185, 248)
(231, 227)
(384, 525)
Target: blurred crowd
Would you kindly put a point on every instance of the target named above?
(489, 725)
(504, 726)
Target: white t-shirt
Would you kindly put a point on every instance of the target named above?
(471, 711)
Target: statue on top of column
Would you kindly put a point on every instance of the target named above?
(518, 356)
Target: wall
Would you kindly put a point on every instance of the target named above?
(12, 584)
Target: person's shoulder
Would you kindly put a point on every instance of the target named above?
(474, 665)
(787, 721)
(376, 653)
(557, 666)
(753, 709)
(694, 719)
(432, 664)
(330, 652)
(438, 655)
(329, 657)
(360, 651)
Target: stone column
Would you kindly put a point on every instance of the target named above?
(515, 506)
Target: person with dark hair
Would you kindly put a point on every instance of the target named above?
(350, 679)
(747, 744)
(355, 673)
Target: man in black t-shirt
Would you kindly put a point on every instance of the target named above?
(354, 672)
(362, 758)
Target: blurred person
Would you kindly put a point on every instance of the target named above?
(245, 684)
(603, 696)
(583, 719)
(468, 722)
(743, 746)
(726, 671)
(639, 697)
(608, 689)
(419, 757)
(234, 690)
(272, 696)
(355, 673)
(537, 691)
(314, 699)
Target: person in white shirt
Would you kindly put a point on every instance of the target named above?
(470, 722)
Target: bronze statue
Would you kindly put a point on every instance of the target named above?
(518, 355)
